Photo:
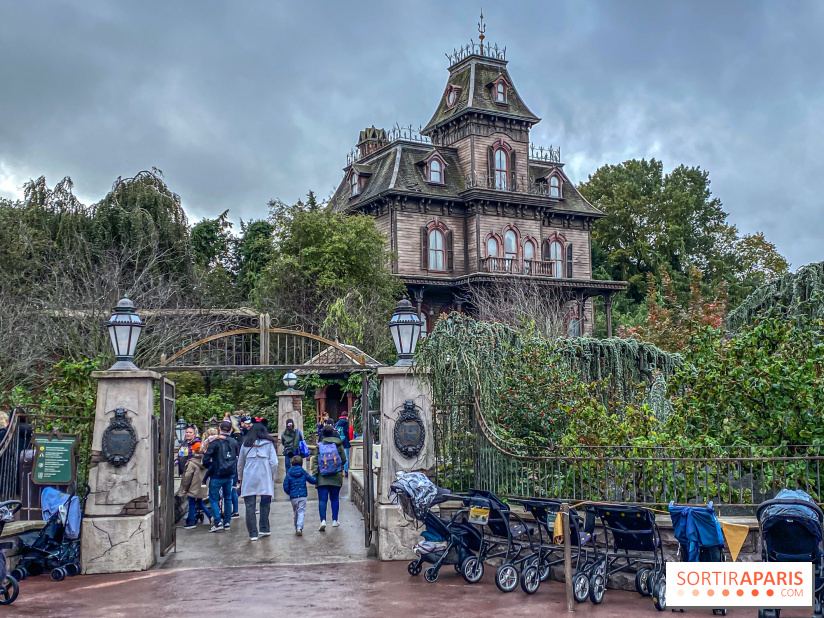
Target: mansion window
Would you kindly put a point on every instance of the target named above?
(511, 245)
(556, 256)
(500, 93)
(450, 97)
(436, 250)
(492, 247)
(529, 254)
(354, 185)
(554, 187)
(435, 171)
(501, 168)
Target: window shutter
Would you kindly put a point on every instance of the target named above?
(512, 173)
(424, 248)
(569, 261)
(450, 260)
(490, 161)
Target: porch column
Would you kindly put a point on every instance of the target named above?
(117, 531)
(580, 299)
(608, 308)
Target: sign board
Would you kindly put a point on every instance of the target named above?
(376, 456)
(53, 459)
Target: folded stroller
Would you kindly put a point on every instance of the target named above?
(56, 547)
(700, 539)
(445, 541)
(9, 588)
(790, 526)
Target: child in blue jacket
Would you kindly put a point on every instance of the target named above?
(295, 487)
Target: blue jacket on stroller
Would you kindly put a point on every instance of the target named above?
(695, 527)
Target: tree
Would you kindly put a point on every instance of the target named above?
(656, 220)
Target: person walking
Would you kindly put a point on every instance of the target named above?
(192, 487)
(324, 417)
(294, 485)
(221, 460)
(257, 469)
(290, 440)
(190, 445)
(342, 427)
(328, 468)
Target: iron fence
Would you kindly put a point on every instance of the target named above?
(469, 455)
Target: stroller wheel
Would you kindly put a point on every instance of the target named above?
(431, 574)
(719, 612)
(506, 578)
(597, 587)
(58, 574)
(72, 569)
(19, 573)
(457, 568)
(642, 581)
(472, 570)
(659, 594)
(9, 591)
(530, 580)
(414, 567)
(580, 587)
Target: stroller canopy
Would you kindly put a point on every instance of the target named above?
(414, 493)
(695, 527)
(808, 516)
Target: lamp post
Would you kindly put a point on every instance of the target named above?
(405, 327)
(290, 380)
(124, 329)
(180, 430)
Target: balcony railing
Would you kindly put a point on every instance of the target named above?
(515, 266)
(513, 184)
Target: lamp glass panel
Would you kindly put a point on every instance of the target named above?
(405, 334)
(122, 332)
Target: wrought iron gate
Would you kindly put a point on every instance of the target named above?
(165, 500)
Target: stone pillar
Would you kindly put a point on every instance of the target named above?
(290, 405)
(120, 510)
(395, 536)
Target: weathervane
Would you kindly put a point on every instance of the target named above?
(482, 28)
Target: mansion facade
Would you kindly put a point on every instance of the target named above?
(469, 201)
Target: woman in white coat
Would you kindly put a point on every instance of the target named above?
(257, 467)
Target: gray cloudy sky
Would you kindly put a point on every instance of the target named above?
(239, 102)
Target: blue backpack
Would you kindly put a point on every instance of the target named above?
(329, 461)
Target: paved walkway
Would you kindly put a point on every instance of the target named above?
(200, 548)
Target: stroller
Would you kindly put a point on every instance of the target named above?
(631, 539)
(700, 539)
(790, 526)
(550, 554)
(445, 541)
(56, 547)
(9, 589)
(504, 535)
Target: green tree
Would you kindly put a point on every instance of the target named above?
(254, 251)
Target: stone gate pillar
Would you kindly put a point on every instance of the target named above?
(118, 529)
(290, 405)
(395, 536)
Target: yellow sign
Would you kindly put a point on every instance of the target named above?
(478, 516)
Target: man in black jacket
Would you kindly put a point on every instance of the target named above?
(221, 461)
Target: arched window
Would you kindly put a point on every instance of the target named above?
(436, 250)
(510, 245)
(500, 93)
(529, 254)
(556, 256)
(435, 172)
(501, 168)
(450, 97)
(492, 247)
(353, 184)
(554, 187)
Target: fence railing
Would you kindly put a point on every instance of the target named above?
(10, 458)
(470, 455)
(515, 266)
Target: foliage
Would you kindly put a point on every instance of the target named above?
(196, 409)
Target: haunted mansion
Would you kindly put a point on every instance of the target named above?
(468, 201)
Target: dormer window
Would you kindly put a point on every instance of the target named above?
(435, 171)
(452, 94)
(500, 90)
(354, 184)
(554, 186)
(500, 93)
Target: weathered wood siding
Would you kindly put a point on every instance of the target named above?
(409, 242)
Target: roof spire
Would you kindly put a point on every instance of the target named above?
(482, 29)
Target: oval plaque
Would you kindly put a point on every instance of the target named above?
(119, 439)
(410, 434)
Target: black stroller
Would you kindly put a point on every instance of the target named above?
(55, 548)
(9, 588)
(631, 541)
(549, 554)
(790, 526)
(445, 541)
(504, 536)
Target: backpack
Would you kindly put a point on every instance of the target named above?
(342, 432)
(329, 461)
(225, 458)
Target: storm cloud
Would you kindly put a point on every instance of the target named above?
(242, 102)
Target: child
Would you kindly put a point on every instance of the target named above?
(295, 486)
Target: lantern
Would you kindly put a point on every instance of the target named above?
(405, 326)
(124, 329)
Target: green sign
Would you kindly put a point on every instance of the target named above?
(53, 459)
